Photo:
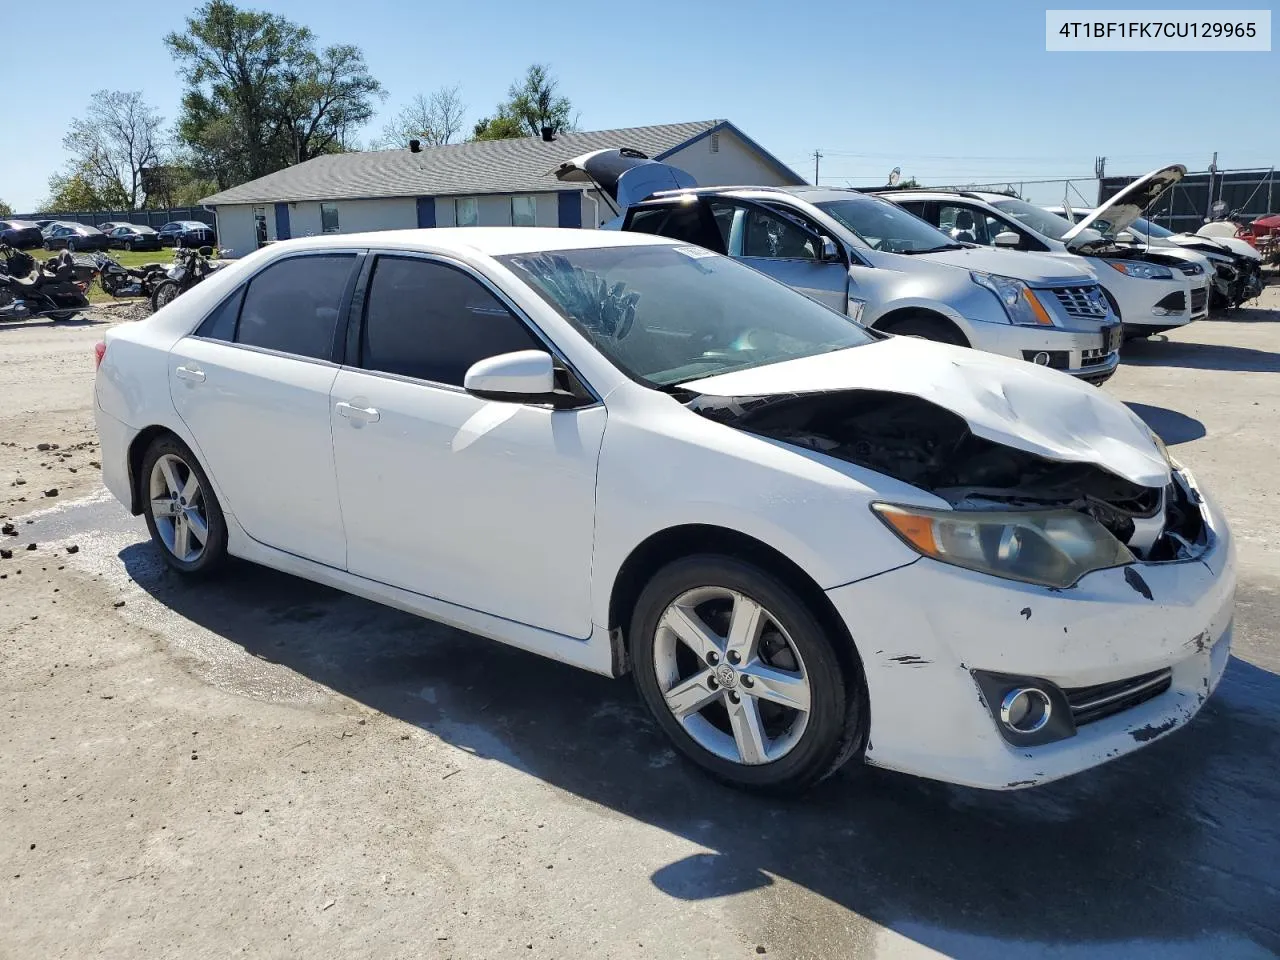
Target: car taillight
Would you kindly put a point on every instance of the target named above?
(99, 351)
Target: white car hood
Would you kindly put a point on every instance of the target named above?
(1127, 206)
(1006, 401)
(1241, 248)
(1031, 268)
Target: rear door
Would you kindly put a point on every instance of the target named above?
(252, 385)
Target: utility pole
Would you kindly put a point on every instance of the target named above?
(817, 156)
(1213, 169)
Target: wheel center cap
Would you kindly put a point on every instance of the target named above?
(727, 676)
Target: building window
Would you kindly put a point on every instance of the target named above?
(524, 211)
(467, 212)
(328, 218)
(715, 143)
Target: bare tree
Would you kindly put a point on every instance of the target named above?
(435, 120)
(112, 143)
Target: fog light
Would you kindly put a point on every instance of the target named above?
(1159, 311)
(1041, 358)
(1025, 709)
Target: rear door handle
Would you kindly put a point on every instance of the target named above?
(194, 374)
(358, 414)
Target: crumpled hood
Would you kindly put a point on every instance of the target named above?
(1120, 211)
(1006, 401)
(1031, 268)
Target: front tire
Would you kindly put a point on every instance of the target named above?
(743, 676)
(128, 246)
(182, 511)
(166, 292)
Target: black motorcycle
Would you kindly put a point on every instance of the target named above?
(189, 268)
(121, 281)
(56, 289)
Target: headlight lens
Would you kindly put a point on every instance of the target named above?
(1053, 548)
(1141, 270)
(1019, 301)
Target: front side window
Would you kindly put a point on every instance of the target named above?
(328, 218)
(667, 314)
(882, 225)
(426, 320)
(759, 233)
(964, 224)
(293, 305)
(467, 212)
(524, 211)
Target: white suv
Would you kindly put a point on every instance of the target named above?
(1150, 291)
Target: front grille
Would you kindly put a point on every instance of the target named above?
(1093, 356)
(1086, 301)
(1198, 299)
(1107, 699)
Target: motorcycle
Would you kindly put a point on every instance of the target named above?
(121, 281)
(189, 268)
(56, 289)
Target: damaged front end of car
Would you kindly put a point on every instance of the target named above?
(1000, 491)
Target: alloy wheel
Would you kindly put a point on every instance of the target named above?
(731, 675)
(166, 295)
(178, 508)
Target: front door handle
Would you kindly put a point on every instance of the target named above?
(194, 374)
(357, 414)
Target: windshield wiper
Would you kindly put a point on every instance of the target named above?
(945, 246)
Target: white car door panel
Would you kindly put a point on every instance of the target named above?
(253, 385)
(262, 424)
(485, 504)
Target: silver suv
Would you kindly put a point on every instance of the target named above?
(878, 263)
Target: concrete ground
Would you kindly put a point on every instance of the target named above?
(263, 767)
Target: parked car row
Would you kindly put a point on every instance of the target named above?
(66, 235)
(984, 270)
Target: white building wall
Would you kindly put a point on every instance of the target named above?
(358, 216)
(733, 164)
(236, 229)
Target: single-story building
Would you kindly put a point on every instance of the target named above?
(483, 183)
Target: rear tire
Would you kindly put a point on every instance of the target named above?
(754, 742)
(63, 315)
(71, 246)
(927, 327)
(128, 246)
(179, 505)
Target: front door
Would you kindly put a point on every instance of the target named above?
(485, 504)
(252, 384)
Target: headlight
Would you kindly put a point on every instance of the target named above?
(1019, 301)
(1141, 270)
(1053, 548)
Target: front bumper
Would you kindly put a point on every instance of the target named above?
(1081, 353)
(928, 715)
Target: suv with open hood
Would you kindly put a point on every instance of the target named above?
(871, 260)
(1150, 291)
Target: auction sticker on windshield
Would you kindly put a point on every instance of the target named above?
(697, 253)
(1157, 30)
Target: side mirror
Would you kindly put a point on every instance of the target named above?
(523, 376)
(1124, 236)
(1007, 238)
(830, 252)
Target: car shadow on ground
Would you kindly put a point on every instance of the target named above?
(1170, 845)
(1247, 314)
(1163, 352)
(1170, 426)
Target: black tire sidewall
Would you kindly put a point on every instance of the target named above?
(820, 747)
(155, 294)
(927, 327)
(215, 549)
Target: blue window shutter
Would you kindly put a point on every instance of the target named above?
(570, 209)
(282, 221)
(426, 211)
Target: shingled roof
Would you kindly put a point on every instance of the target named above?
(490, 166)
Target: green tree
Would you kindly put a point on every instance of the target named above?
(533, 102)
(261, 95)
(5, 210)
(74, 189)
(118, 137)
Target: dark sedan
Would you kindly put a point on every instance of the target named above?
(134, 236)
(75, 236)
(186, 233)
(20, 234)
(112, 224)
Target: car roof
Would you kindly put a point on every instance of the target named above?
(488, 241)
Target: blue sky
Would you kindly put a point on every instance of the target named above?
(949, 91)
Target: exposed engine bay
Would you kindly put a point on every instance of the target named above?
(923, 444)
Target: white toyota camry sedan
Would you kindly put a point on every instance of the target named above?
(809, 542)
